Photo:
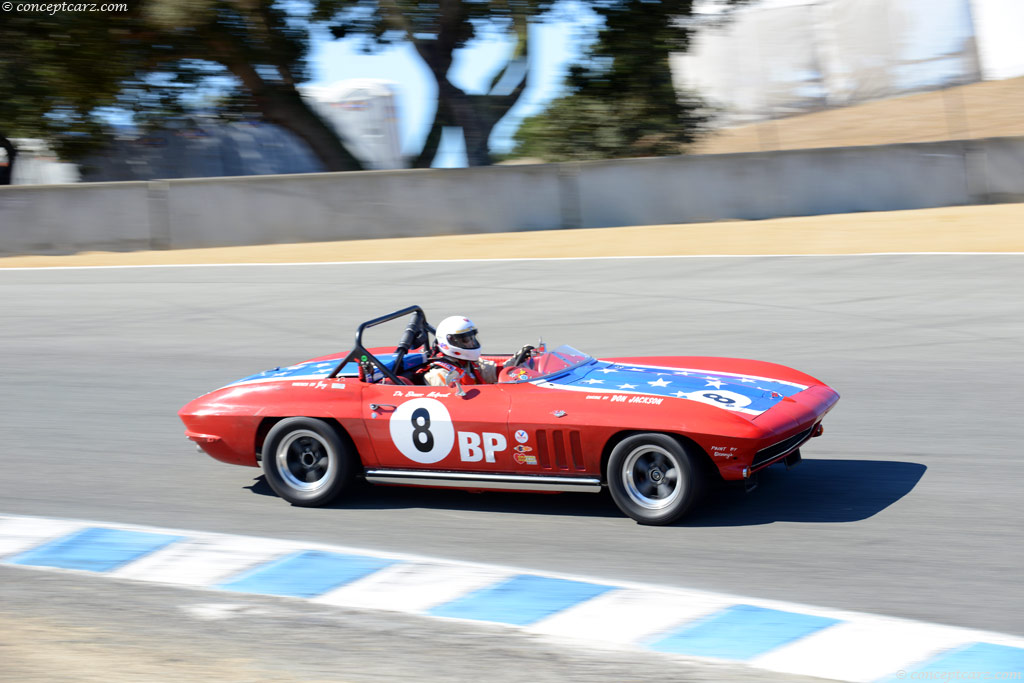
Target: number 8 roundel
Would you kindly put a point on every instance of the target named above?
(422, 430)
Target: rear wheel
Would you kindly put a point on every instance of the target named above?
(306, 462)
(653, 478)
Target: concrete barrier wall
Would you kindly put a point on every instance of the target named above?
(332, 206)
(767, 185)
(337, 206)
(70, 218)
(1002, 168)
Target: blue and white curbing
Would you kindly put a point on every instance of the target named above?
(763, 634)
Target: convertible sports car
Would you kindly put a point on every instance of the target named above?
(656, 431)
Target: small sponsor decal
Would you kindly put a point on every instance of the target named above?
(524, 459)
(522, 436)
(522, 449)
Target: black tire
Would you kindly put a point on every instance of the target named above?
(653, 478)
(306, 462)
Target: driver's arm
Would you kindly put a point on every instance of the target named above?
(435, 376)
(488, 371)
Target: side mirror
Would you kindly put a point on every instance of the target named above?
(451, 380)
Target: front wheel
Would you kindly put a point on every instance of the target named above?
(653, 478)
(306, 462)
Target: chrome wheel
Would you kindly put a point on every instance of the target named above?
(305, 460)
(655, 478)
(652, 477)
(308, 461)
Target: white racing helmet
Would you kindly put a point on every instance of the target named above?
(456, 338)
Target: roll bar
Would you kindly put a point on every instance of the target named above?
(417, 333)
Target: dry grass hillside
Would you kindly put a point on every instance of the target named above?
(978, 110)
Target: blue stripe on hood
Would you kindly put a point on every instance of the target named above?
(320, 369)
(748, 394)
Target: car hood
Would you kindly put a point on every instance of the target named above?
(634, 381)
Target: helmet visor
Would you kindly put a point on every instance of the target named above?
(464, 340)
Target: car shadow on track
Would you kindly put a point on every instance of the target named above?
(367, 497)
(816, 491)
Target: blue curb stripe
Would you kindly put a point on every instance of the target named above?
(95, 549)
(740, 632)
(306, 574)
(520, 600)
(976, 658)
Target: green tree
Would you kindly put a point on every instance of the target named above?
(264, 45)
(63, 76)
(621, 101)
(54, 76)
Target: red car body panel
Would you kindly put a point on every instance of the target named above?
(537, 427)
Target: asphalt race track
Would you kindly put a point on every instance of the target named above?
(908, 506)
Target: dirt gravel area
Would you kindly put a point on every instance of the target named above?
(979, 110)
(990, 228)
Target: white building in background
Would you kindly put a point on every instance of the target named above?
(37, 164)
(999, 26)
(364, 113)
(779, 57)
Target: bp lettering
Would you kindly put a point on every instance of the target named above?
(475, 447)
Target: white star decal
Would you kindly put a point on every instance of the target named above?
(682, 374)
(627, 386)
(637, 370)
(717, 384)
(594, 381)
(659, 383)
(710, 377)
(747, 379)
(680, 394)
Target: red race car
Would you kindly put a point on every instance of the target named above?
(656, 431)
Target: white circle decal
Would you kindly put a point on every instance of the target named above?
(522, 436)
(729, 400)
(422, 430)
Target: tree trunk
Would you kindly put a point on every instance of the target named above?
(425, 159)
(7, 172)
(476, 115)
(284, 106)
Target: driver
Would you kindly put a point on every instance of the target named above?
(457, 349)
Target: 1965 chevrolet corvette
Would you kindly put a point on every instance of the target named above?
(656, 431)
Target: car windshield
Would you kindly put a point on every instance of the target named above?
(559, 360)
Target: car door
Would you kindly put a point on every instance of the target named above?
(433, 428)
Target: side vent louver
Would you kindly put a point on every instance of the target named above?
(559, 450)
